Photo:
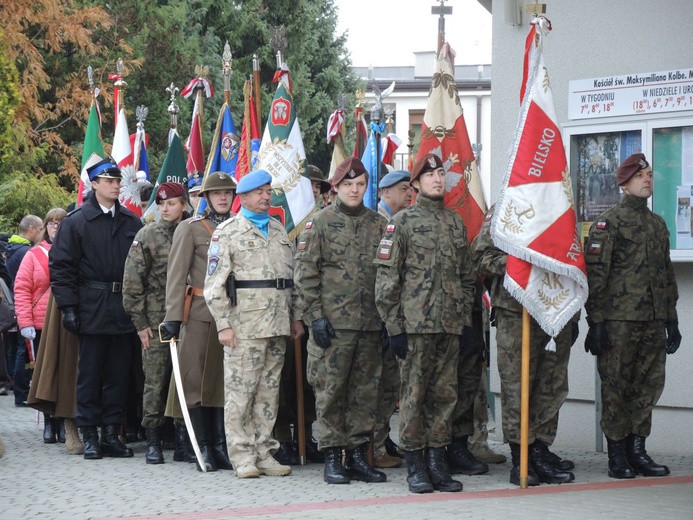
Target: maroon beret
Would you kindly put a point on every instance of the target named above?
(348, 169)
(630, 167)
(424, 164)
(169, 190)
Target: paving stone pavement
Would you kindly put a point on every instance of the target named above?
(41, 481)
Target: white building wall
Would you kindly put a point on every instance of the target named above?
(593, 38)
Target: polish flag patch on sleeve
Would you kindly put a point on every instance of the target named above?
(134, 243)
(390, 228)
(601, 224)
(309, 224)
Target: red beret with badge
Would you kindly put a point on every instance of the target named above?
(348, 169)
(169, 190)
(630, 167)
(425, 164)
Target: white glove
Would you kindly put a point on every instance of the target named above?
(28, 333)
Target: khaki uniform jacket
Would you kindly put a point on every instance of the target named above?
(334, 266)
(187, 265)
(425, 282)
(239, 248)
(629, 267)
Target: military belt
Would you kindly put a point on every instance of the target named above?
(278, 283)
(114, 287)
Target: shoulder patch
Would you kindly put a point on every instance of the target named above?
(215, 238)
(301, 245)
(595, 248)
(213, 249)
(390, 228)
(212, 266)
(488, 217)
(602, 224)
(386, 242)
(309, 224)
(135, 243)
(384, 251)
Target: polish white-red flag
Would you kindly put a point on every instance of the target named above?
(123, 156)
(534, 221)
(444, 133)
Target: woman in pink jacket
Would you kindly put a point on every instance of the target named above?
(32, 288)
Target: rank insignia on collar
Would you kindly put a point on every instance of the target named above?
(601, 224)
(390, 228)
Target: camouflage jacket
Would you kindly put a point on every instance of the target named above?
(144, 282)
(239, 248)
(628, 265)
(425, 281)
(334, 266)
(490, 263)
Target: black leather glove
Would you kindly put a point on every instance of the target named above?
(673, 337)
(170, 330)
(70, 319)
(466, 339)
(398, 344)
(574, 332)
(322, 332)
(597, 341)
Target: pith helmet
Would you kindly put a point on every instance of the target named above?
(218, 181)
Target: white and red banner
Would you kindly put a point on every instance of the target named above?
(123, 156)
(534, 221)
(444, 133)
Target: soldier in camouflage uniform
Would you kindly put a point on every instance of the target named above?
(253, 253)
(632, 315)
(199, 352)
(548, 385)
(144, 297)
(395, 195)
(424, 292)
(336, 277)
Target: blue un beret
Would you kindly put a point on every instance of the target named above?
(253, 180)
(393, 178)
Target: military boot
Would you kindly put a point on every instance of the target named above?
(532, 479)
(202, 434)
(619, 467)
(154, 454)
(49, 433)
(59, 425)
(182, 450)
(90, 439)
(545, 470)
(439, 471)
(359, 468)
(642, 463)
(555, 460)
(110, 443)
(221, 452)
(335, 472)
(73, 444)
(417, 475)
(461, 460)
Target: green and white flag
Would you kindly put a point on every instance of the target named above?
(283, 156)
(93, 148)
(173, 170)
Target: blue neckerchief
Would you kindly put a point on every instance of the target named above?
(261, 220)
(387, 208)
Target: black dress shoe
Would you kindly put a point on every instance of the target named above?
(49, 431)
(90, 439)
(286, 454)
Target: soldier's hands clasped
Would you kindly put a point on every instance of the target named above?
(398, 344)
(597, 341)
(673, 337)
(322, 332)
(70, 319)
(170, 330)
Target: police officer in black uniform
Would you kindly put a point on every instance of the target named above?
(86, 267)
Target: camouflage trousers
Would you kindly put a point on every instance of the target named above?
(346, 379)
(428, 391)
(156, 364)
(632, 376)
(387, 400)
(469, 367)
(252, 372)
(480, 436)
(548, 377)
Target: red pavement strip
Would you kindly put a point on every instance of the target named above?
(417, 499)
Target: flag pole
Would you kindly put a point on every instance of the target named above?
(256, 90)
(226, 65)
(524, 401)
